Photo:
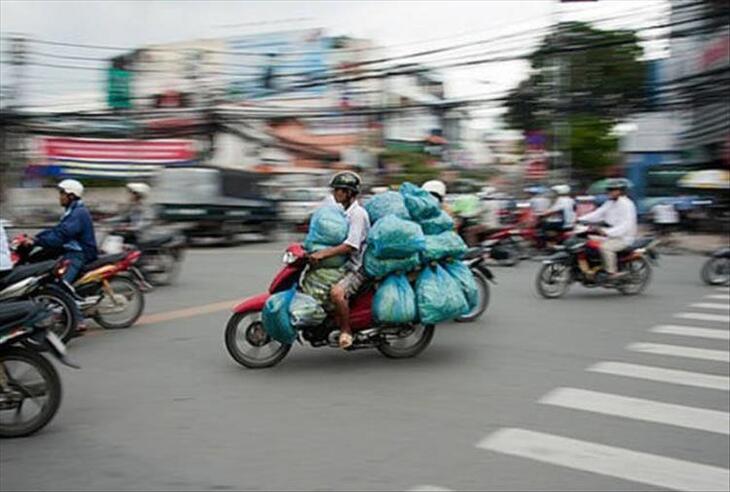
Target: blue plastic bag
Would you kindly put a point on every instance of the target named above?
(465, 278)
(377, 268)
(438, 224)
(439, 296)
(332, 261)
(275, 317)
(392, 237)
(420, 203)
(305, 310)
(395, 301)
(328, 227)
(390, 202)
(445, 245)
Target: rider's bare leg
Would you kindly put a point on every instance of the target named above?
(338, 296)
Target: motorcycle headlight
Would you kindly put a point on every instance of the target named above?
(289, 258)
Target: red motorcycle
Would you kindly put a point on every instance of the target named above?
(249, 344)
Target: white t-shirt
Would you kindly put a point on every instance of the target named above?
(539, 204)
(665, 214)
(566, 205)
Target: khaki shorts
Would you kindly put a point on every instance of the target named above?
(351, 282)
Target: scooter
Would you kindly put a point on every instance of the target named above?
(716, 270)
(109, 290)
(579, 260)
(248, 343)
(30, 388)
(162, 251)
(43, 282)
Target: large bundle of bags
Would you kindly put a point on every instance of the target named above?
(445, 288)
(328, 227)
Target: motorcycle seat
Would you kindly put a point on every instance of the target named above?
(12, 313)
(24, 271)
(103, 260)
(637, 244)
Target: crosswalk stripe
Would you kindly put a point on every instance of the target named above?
(719, 297)
(704, 317)
(679, 351)
(639, 409)
(661, 374)
(621, 463)
(692, 331)
(723, 289)
(711, 305)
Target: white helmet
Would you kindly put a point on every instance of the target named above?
(436, 187)
(562, 189)
(72, 187)
(141, 189)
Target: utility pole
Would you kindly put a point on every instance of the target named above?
(11, 141)
(18, 59)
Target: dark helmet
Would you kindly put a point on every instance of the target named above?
(346, 180)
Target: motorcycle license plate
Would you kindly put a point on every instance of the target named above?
(56, 343)
(113, 245)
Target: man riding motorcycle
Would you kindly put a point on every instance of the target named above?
(138, 215)
(560, 215)
(73, 237)
(619, 212)
(345, 188)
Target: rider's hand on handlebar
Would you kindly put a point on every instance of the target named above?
(316, 257)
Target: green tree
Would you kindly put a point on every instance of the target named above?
(583, 76)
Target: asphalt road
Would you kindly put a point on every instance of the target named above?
(537, 395)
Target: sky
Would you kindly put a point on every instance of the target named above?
(399, 26)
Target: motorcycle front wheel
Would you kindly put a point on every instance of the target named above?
(553, 280)
(123, 308)
(167, 264)
(248, 343)
(716, 271)
(410, 343)
(63, 319)
(31, 394)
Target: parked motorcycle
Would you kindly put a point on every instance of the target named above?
(248, 343)
(109, 290)
(716, 270)
(162, 251)
(43, 282)
(579, 260)
(30, 387)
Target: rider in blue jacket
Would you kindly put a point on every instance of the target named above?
(74, 236)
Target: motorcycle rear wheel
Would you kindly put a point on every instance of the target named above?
(408, 346)
(245, 340)
(553, 280)
(639, 274)
(483, 301)
(49, 386)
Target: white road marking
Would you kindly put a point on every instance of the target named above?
(673, 376)
(719, 297)
(639, 409)
(679, 351)
(692, 331)
(723, 289)
(711, 305)
(704, 317)
(621, 463)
